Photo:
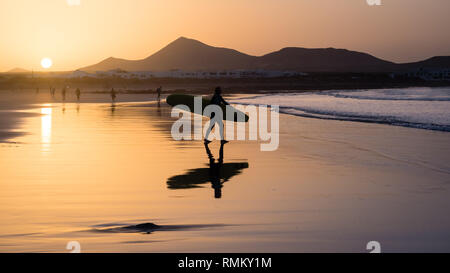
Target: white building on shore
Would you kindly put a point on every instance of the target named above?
(184, 74)
(427, 74)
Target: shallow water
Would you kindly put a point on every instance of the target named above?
(426, 108)
(113, 179)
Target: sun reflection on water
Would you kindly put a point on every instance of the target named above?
(46, 127)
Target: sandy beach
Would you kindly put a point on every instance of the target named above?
(112, 178)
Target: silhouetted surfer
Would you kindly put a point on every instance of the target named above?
(214, 170)
(217, 99)
(113, 95)
(78, 93)
(158, 92)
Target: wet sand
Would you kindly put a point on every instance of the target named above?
(112, 178)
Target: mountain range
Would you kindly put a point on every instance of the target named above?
(18, 70)
(192, 55)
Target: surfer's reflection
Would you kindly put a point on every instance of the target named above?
(214, 170)
(217, 174)
(158, 108)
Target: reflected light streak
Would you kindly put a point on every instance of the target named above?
(46, 128)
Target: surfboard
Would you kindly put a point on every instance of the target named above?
(188, 100)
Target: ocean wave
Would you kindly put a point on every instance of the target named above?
(367, 119)
(413, 94)
(423, 108)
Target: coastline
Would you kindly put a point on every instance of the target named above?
(311, 82)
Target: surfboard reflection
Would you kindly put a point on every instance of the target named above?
(217, 174)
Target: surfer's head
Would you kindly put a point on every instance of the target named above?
(218, 90)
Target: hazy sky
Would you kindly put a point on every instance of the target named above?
(74, 36)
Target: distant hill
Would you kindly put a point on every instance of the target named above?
(433, 63)
(184, 54)
(17, 70)
(192, 55)
(322, 60)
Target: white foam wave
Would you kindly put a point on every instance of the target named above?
(426, 108)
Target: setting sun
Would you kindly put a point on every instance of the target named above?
(46, 63)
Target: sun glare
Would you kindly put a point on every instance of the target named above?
(46, 63)
(46, 127)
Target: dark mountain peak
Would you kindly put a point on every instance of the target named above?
(110, 60)
(183, 39)
(180, 46)
(303, 50)
(437, 62)
(183, 42)
(192, 55)
(439, 59)
(290, 49)
(322, 60)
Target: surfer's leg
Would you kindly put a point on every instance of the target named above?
(211, 125)
(220, 124)
(222, 137)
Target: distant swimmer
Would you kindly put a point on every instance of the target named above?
(63, 93)
(113, 95)
(78, 93)
(217, 99)
(158, 91)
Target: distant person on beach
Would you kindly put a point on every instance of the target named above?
(158, 91)
(113, 95)
(63, 93)
(78, 92)
(52, 92)
(217, 99)
(37, 90)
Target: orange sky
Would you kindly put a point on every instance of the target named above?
(77, 36)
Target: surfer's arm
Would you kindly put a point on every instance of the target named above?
(224, 101)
